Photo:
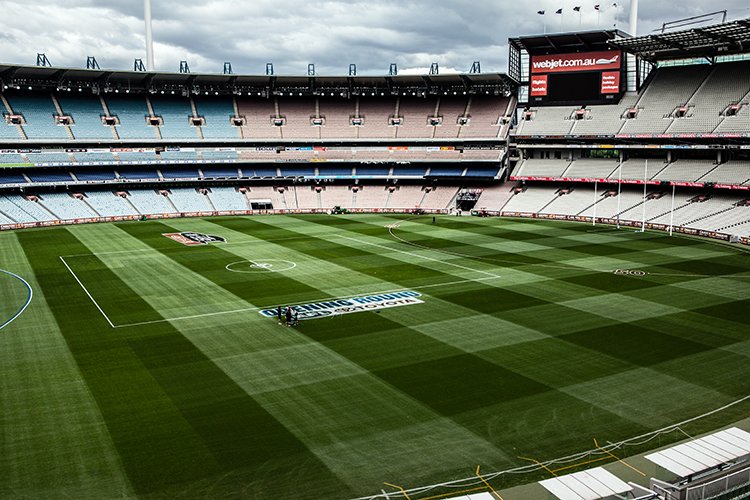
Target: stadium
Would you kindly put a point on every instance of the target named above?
(519, 285)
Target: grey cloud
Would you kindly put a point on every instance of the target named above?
(292, 33)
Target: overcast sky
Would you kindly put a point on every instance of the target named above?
(293, 33)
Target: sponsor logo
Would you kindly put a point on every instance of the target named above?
(192, 239)
(610, 82)
(587, 61)
(353, 305)
(539, 85)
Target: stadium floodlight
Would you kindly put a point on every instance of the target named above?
(91, 63)
(184, 68)
(42, 60)
(633, 17)
(149, 35)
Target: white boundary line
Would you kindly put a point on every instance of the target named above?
(87, 293)
(28, 298)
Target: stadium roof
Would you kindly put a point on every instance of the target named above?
(703, 454)
(707, 42)
(105, 80)
(558, 43)
(586, 485)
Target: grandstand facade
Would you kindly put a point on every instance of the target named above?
(669, 154)
(83, 145)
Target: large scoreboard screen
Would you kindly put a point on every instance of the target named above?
(581, 78)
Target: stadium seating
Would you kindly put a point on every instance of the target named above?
(47, 157)
(8, 131)
(669, 89)
(132, 112)
(685, 170)
(66, 207)
(450, 110)
(731, 172)
(179, 173)
(12, 159)
(258, 113)
(405, 197)
(297, 113)
(376, 112)
(220, 172)
(175, 113)
(542, 168)
(189, 200)
(727, 84)
(94, 175)
(416, 112)
(217, 112)
(39, 112)
(21, 209)
(86, 112)
(370, 197)
(11, 177)
(227, 198)
(219, 155)
(337, 114)
(494, 198)
(408, 171)
(95, 157)
(704, 91)
(150, 202)
(46, 175)
(484, 116)
(590, 168)
(138, 173)
(108, 204)
(137, 156)
(177, 156)
(715, 212)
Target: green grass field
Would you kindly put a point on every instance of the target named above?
(526, 344)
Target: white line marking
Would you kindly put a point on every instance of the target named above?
(87, 293)
(323, 299)
(264, 266)
(465, 268)
(28, 298)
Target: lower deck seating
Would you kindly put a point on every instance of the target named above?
(108, 204)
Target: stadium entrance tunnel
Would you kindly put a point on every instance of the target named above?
(15, 296)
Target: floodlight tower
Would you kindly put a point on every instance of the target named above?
(149, 35)
(633, 17)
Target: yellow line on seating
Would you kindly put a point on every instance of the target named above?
(616, 458)
(403, 491)
(540, 464)
(436, 497)
(488, 484)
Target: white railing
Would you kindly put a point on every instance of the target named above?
(719, 486)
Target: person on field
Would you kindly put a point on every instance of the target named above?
(295, 318)
(278, 314)
(289, 316)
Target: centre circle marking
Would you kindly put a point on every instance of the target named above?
(261, 266)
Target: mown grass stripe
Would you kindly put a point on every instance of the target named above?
(174, 416)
